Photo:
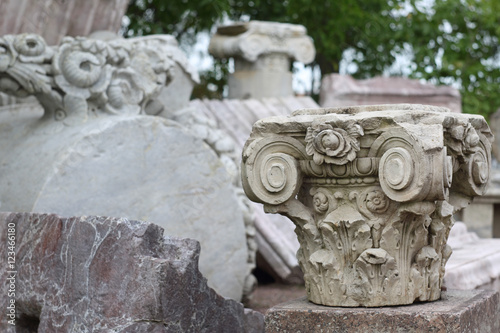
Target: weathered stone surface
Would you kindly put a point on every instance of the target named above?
(99, 274)
(343, 90)
(372, 191)
(457, 312)
(262, 53)
(54, 19)
(139, 167)
(483, 215)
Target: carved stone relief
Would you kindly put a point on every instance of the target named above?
(83, 78)
(372, 194)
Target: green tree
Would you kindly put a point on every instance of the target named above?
(335, 27)
(448, 41)
(456, 41)
(182, 18)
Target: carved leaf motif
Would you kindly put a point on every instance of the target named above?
(346, 234)
(376, 271)
(325, 259)
(462, 139)
(426, 273)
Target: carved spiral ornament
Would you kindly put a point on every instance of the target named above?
(279, 174)
(396, 170)
(84, 76)
(274, 169)
(30, 45)
(320, 202)
(269, 176)
(479, 170)
(82, 69)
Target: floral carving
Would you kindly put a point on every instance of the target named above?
(377, 202)
(23, 60)
(320, 202)
(463, 139)
(80, 72)
(83, 75)
(332, 145)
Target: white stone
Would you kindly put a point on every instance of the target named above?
(275, 236)
(262, 52)
(372, 191)
(474, 263)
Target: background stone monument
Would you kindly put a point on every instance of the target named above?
(343, 90)
(262, 53)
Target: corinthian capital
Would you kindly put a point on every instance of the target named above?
(376, 188)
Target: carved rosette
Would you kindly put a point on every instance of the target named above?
(83, 77)
(372, 194)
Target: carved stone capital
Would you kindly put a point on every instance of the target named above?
(82, 77)
(251, 40)
(372, 191)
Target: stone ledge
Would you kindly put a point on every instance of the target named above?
(457, 311)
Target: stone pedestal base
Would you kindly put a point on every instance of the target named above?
(457, 311)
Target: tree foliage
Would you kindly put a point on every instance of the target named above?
(335, 26)
(456, 42)
(446, 41)
(181, 18)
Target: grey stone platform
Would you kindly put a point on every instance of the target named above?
(458, 311)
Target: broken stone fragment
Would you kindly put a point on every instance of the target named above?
(111, 274)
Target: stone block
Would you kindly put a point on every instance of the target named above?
(456, 312)
(101, 274)
(343, 90)
(474, 263)
(479, 218)
(92, 151)
(54, 19)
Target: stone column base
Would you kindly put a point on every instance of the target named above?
(457, 311)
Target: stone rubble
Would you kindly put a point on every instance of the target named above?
(90, 274)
